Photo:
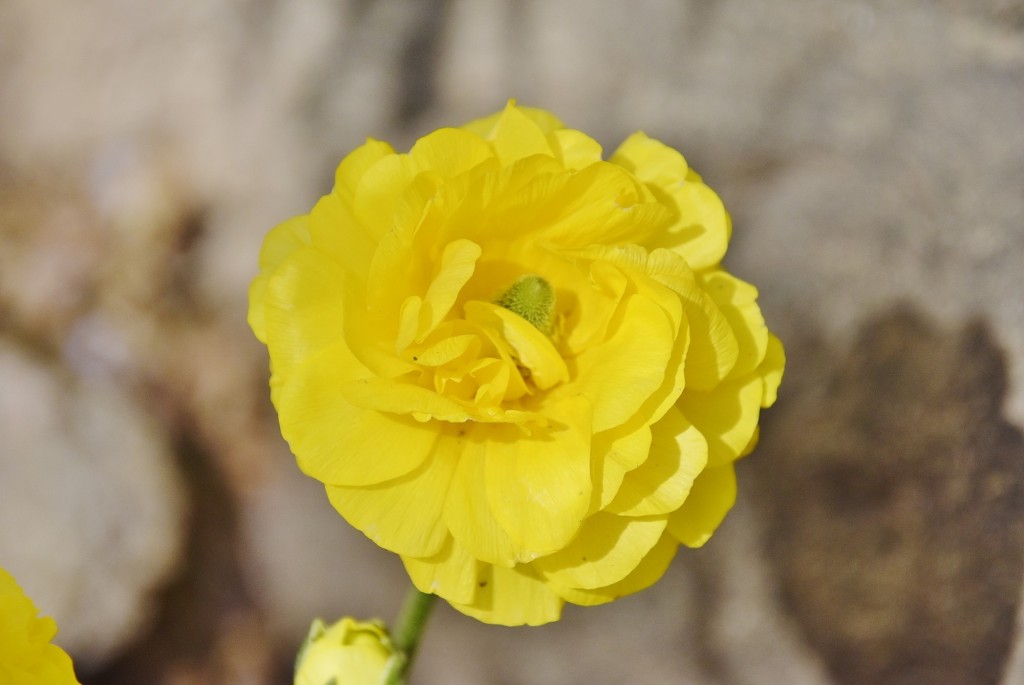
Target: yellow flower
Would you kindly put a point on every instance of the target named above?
(516, 365)
(349, 652)
(26, 655)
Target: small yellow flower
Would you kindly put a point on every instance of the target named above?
(26, 655)
(518, 366)
(349, 652)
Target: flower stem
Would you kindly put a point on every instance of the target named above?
(412, 620)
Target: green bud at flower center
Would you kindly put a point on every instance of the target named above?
(532, 298)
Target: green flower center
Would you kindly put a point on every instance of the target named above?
(532, 298)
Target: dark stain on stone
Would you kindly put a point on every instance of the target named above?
(894, 490)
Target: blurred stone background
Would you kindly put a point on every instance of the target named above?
(872, 155)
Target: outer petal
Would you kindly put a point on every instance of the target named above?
(452, 573)
(303, 308)
(484, 127)
(771, 370)
(606, 550)
(661, 484)
(513, 597)
(450, 152)
(539, 487)
(617, 451)
(574, 149)
(334, 229)
(603, 205)
(737, 301)
(711, 498)
(338, 443)
(281, 241)
(727, 416)
(402, 515)
(378, 196)
(647, 573)
(701, 228)
(516, 136)
(467, 512)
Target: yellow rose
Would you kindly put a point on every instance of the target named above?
(517, 366)
(349, 652)
(26, 655)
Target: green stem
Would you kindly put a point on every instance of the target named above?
(412, 620)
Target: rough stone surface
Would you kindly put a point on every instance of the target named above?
(870, 153)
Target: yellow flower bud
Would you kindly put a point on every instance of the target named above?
(349, 652)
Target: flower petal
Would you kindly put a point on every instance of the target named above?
(619, 375)
(650, 160)
(303, 308)
(451, 573)
(404, 515)
(661, 484)
(339, 443)
(605, 551)
(771, 370)
(650, 569)
(516, 136)
(350, 172)
(616, 452)
(711, 498)
(467, 511)
(727, 416)
(450, 152)
(737, 300)
(513, 597)
(532, 348)
(334, 229)
(574, 149)
(458, 262)
(603, 205)
(278, 245)
(700, 229)
(539, 488)
(378, 196)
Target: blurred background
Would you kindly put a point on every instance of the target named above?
(871, 154)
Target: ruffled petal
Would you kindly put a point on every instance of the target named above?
(337, 442)
(404, 515)
(771, 370)
(661, 484)
(603, 205)
(574, 149)
(711, 498)
(334, 229)
(303, 308)
(727, 416)
(467, 511)
(619, 375)
(616, 452)
(531, 348)
(351, 170)
(539, 487)
(650, 569)
(737, 300)
(516, 136)
(606, 550)
(513, 597)
(452, 573)
(450, 152)
(700, 229)
(279, 244)
(379, 194)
